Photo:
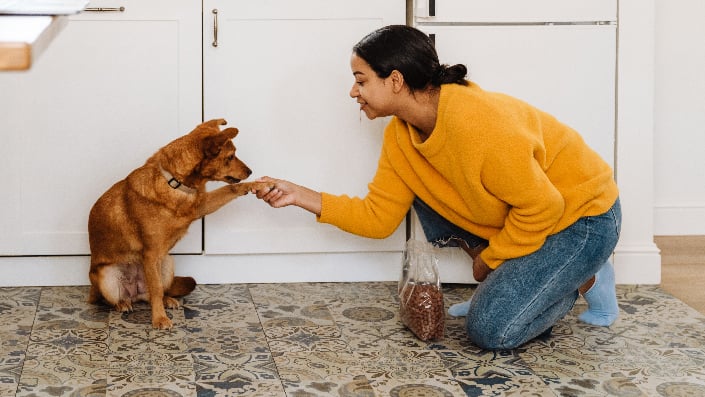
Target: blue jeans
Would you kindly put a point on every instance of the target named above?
(526, 296)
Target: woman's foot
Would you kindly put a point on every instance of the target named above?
(601, 298)
(460, 309)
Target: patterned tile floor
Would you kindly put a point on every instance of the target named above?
(333, 339)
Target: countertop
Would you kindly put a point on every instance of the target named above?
(24, 38)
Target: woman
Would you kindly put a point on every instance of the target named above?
(533, 205)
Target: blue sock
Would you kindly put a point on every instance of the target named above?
(601, 299)
(460, 309)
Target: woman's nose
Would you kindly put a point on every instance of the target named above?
(353, 91)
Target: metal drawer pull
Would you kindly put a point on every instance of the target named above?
(215, 27)
(105, 9)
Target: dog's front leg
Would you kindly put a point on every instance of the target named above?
(223, 195)
(155, 288)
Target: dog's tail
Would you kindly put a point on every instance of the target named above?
(181, 286)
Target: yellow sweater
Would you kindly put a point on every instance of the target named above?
(494, 165)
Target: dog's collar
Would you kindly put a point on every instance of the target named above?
(174, 183)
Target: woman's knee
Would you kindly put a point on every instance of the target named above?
(507, 338)
(490, 338)
(497, 329)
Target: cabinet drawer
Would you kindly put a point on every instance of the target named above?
(515, 11)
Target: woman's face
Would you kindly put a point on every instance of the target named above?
(373, 93)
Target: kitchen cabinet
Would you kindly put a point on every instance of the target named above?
(558, 55)
(566, 70)
(112, 88)
(280, 72)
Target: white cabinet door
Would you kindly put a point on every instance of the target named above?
(108, 92)
(523, 11)
(281, 74)
(566, 70)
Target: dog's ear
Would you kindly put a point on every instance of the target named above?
(214, 143)
(209, 127)
(214, 123)
(231, 132)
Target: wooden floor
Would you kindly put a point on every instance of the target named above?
(683, 268)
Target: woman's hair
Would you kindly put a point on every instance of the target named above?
(411, 52)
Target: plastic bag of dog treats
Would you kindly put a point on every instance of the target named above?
(421, 306)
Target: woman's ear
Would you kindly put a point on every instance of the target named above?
(397, 80)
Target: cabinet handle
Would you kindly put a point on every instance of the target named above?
(431, 8)
(215, 27)
(105, 9)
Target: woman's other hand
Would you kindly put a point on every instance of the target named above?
(480, 270)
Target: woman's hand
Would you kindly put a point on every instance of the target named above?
(480, 270)
(279, 195)
(284, 193)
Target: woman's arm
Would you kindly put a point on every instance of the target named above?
(285, 193)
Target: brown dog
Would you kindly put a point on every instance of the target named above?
(133, 225)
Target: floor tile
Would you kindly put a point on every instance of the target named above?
(305, 338)
(238, 338)
(291, 315)
(60, 342)
(53, 375)
(671, 387)
(171, 389)
(436, 387)
(333, 339)
(498, 385)
(355, 386)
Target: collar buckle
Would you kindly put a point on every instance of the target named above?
(173, 183)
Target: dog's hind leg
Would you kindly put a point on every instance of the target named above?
(114, 284)
(94, 295)
(174, 287)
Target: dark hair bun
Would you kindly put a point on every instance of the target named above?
(450, 75)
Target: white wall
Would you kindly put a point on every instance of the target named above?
(679, 118)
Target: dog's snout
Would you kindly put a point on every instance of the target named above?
(248, 171)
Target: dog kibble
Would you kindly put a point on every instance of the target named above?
(422, 310)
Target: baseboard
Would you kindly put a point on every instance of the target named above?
(679, 220)
(633, 265)
(219, 269)
(637, 264)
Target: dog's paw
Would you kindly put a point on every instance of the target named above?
(171, 303)
(124, 306)
(162, 323)
(261, 188)
(240, 189)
